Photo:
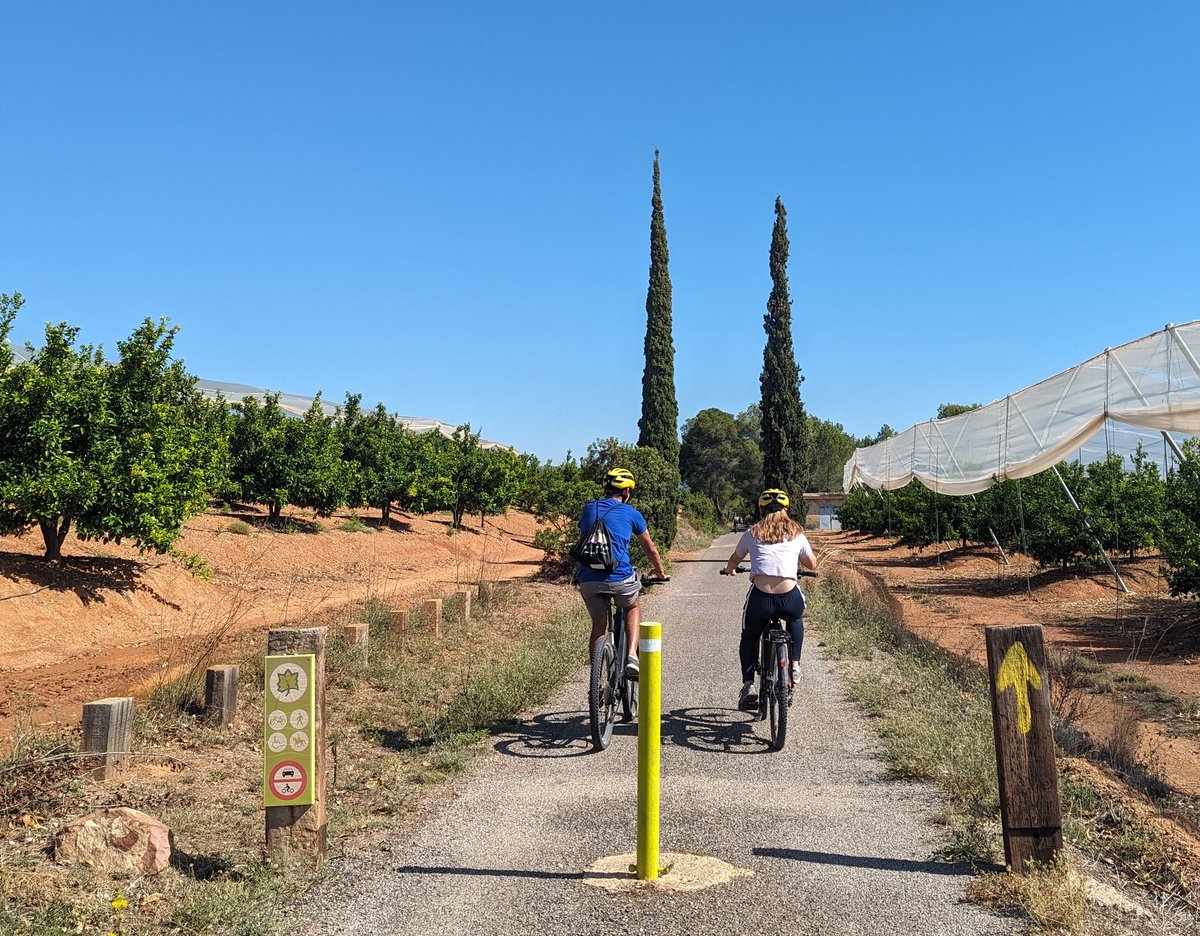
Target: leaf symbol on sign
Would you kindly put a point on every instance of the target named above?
(288, 681)
(1018, 672)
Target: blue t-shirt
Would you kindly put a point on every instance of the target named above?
(623, 522)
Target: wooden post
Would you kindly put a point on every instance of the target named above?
(220, 693)
(433, 611)
(299, 832)
(358, 637)
(464, 604)
(1029, 806)
(397, 621)
(107, 729)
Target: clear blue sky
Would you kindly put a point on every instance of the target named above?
(445, 206)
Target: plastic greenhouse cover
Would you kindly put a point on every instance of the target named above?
(1127, 395)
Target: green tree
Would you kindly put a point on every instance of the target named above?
(718, 456)
(556, 500)
(259, 463)
(885, 432)
(658, 428)
(829, 448)
(168, 448)
(946, 410)
(784, 427)
(657, 491)
(480, 481)
(1180, 537)
(372, 445)
(1054, 530)
(318, 479)
(116, 451)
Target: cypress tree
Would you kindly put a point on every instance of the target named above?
(784, 427)
(660, 411)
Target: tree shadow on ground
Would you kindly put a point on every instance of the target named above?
(92, 579)
(392, 525)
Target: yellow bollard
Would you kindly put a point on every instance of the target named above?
(649, 749)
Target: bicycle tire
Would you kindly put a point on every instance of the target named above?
(763, 669)
(778, 702)
(629, 698)
(601, 702)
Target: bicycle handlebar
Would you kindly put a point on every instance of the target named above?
(650, 580)
(802, 573)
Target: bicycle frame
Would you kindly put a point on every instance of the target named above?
(609, 684)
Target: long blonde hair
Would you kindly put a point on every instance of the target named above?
(776, 527)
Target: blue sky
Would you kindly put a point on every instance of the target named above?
(446, 206)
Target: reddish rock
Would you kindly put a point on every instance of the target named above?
(115, 840)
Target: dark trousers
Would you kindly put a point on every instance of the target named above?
(759, 611)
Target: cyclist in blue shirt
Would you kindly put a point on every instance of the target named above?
(624, 523)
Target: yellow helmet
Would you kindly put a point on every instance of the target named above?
(619, 479)
(774, 499)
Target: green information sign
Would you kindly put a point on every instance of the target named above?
(289, 730)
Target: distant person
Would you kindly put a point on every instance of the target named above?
(777, 547)
(624, 523)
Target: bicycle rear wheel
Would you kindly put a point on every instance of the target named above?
(602, 703)
(777, 692)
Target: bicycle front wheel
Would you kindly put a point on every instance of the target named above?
(777, 701)
(629, 698)
(602, 703)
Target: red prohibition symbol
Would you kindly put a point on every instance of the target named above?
(288, 780)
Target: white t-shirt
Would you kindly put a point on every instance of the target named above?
(777, 559)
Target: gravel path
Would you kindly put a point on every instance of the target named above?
(833, 846)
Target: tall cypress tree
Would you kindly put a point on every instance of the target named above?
(660, 412)
(784, 427)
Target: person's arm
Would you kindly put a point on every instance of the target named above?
(740, 552)
(651, 552)
(807, 557)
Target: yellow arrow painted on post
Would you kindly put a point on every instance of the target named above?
(1018, 672)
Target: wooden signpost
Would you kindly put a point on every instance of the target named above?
(1029, 806)
(294, 744)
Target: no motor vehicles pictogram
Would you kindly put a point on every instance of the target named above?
(288, 780)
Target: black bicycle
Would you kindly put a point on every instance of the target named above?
(608, 683)
(775, 685)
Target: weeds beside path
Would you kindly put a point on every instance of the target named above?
(410, 718)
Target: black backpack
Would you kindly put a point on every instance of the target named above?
(594, 548)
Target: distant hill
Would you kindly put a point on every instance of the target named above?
(296, 405)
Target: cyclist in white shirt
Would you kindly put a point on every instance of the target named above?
(776, 546)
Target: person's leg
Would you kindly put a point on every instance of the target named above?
(753, 622)
(792, 608)
(599, 626)
(597, 606)
(633, 626)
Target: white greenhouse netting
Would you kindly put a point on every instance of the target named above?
(1138, 392)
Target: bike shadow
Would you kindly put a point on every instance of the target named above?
(723, 730)
(554, 734)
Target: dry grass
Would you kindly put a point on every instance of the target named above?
(411, 717)
(1053, 897)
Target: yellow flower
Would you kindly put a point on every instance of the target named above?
(119, 903)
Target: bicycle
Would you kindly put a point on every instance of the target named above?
(775, 685)
(608, 681)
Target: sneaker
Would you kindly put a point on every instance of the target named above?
(632, 668)
(748, 699)
(795, 671)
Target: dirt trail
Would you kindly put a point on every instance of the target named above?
(950, 597)
(107, 620)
